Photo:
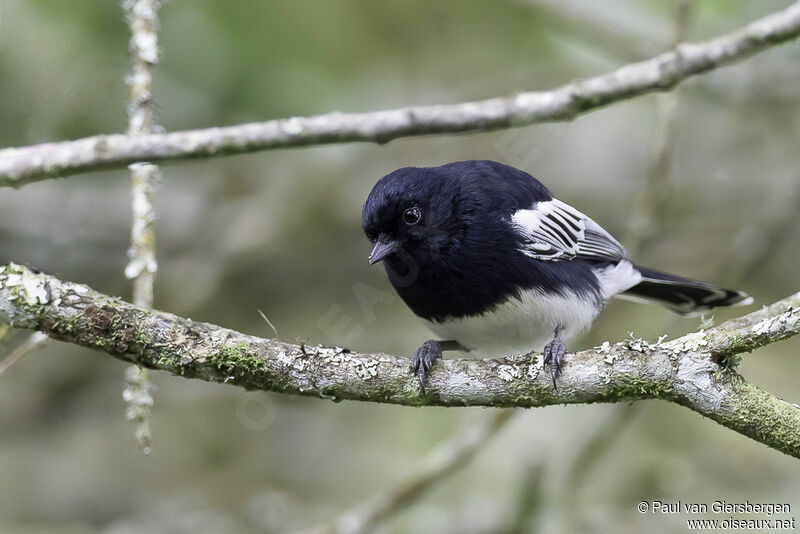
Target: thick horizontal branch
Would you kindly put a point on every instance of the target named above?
(685, 370)
(19, 166)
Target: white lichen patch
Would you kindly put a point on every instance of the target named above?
(34, 286)
(332, 355)
(693, 342)
(140, 262)
(778, 323)
(291, 360)
(79, 289)
(763, 327)
(284, 358)
(366, 368)
(636, 345)
(363, 367)
(706, 321)
(12, 280)
(605, 349)
(507, 373)
(293, 126)
(299, 365)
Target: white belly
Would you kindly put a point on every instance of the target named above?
(519, 325)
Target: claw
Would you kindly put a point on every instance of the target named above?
(554, 355)
(423, 360)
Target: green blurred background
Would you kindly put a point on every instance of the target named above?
(280, 231)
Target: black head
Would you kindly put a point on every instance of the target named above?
(425, 211)
(410, 212)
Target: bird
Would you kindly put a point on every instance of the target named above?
(493, 264)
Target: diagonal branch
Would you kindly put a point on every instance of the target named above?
(34, 341)
(443, 460)
(694, 370)
(19, 166)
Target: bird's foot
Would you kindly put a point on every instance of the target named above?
(423, 360)
(554, 355)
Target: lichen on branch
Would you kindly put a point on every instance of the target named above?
(687, 370)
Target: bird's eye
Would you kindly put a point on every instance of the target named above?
(412, 216)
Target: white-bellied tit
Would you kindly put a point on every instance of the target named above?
(493, 264)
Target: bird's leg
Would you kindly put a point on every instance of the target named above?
(554, 354)
(427, 354)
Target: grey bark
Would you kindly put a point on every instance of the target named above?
(19, 166)
(696, 370)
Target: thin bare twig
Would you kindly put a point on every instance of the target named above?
(764, 242)
(142, 16)
(19, 166)
(5, 333)
(598, 443)
(34, 341)
(654, 192)
(529, 499)
(578, 23)
(443, 460)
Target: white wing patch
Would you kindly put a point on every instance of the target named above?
(556, 231)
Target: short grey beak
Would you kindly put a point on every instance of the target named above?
(384, 247)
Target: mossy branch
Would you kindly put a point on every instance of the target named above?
(22, 165)
(695, 370)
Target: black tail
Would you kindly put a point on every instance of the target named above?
(683, 295)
